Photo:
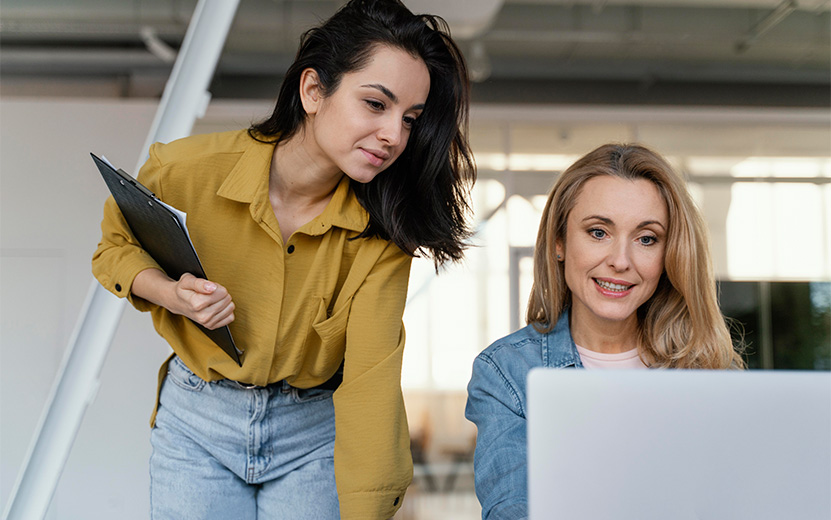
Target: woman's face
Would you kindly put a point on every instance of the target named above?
(363, 126)
(614, 248)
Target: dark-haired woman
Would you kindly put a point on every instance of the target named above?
(306, 224)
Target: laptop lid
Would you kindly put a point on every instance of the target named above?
(679, 444)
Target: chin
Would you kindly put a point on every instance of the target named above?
(616, 314)
(362, 177)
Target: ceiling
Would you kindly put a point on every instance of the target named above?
(615, 52)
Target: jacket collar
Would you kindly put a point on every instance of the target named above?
(248, 183)
(558, 349)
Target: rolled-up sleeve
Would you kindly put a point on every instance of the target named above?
(373, 465)
(119, 257)
(494, 405)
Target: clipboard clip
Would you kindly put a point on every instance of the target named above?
(126, 176)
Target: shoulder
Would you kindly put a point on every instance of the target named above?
(513, 355)
(500, 370)
(517, 353)
(197, 166)
(196, 148)
(526, 342)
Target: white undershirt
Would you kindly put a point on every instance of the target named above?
(592, 359)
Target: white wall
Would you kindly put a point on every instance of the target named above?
(51, 198)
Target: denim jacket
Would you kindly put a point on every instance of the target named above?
(496, 404)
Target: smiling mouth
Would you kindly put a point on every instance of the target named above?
(614, 287)
(375, 158)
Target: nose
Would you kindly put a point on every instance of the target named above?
(390, 130)
(619, 256)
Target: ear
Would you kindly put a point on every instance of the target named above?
(559, 250)
(310, 91)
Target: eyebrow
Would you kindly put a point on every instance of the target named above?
(609, 221)
(387, 92)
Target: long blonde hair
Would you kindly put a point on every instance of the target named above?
(681, 325)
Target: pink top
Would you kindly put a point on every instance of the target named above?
(592, 359)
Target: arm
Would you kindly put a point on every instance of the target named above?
(125, 269)
(373, 466)
(500, 460)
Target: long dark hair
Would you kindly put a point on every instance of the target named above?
(420, 201)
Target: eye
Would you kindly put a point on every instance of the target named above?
(374, 104)
(409, 121)
(599, 234)
(647, 240)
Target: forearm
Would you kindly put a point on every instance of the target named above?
(156, 287)
(373, 466)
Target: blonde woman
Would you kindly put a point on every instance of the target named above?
(622, 279)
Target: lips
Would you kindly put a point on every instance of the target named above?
(612, 286)
(375, 157)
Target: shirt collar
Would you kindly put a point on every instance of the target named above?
(250, 175)
(343, 211)
(559, 350)
(248, 183)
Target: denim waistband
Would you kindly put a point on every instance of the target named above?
(331, 384)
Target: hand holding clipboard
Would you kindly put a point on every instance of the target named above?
(162, 232)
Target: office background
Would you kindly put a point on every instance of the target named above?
(737, 93)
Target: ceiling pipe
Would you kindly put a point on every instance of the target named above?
(156, 46)
(766, 24)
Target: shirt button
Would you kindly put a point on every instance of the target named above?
(291, 249)
(118, 287)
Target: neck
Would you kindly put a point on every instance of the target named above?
(605, 336)
(300, 175)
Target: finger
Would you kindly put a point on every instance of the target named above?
(190, 282)
(207, 287)
(224, 317)
(206, 307)
(187, 279)
(221, 313)
(200, 302)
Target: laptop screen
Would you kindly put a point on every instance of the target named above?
(679, 444)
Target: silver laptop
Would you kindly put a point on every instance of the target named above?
(679, 445)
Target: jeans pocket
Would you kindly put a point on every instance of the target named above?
(305, 395)
(181, 376)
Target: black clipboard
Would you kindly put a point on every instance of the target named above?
(162, 235)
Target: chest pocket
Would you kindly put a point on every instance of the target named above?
(330, 331)
(329, 338)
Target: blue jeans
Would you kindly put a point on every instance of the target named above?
(222, 451)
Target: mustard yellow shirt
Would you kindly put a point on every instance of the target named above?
(302, 308)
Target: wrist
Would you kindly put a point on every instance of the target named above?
(156, 287)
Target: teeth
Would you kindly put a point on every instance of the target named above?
(612, 286)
